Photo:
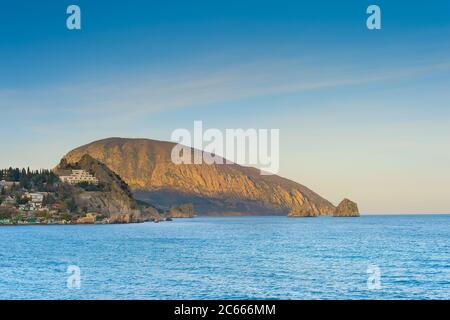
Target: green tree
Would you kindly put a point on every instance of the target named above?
(21, 200)
(66, 216)
(49, 200)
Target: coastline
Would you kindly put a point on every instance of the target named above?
(169, 219)
(16, 224)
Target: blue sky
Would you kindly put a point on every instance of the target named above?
(363, 114)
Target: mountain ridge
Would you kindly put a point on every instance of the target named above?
(219, 189)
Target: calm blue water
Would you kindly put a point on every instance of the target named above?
(231, 258)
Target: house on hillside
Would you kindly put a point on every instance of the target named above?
(7, 184)
(9, 200)
(79, 176)
(35, 197)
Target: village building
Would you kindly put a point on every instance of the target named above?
(56, 206)
(9, 200)
(79, 176)
(35, 197)
(7, 184)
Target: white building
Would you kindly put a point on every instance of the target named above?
(9, 200)
(35, 197)
(7, 184)
(79, 176)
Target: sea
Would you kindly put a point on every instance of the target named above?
(370, 257)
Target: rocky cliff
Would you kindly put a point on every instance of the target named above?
(347, 208)
(112, 197)
(228, 189)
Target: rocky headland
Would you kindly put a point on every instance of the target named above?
(219, 189)
(112, 199)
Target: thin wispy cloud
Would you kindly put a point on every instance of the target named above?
(130, 96)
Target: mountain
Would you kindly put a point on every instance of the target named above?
(218, 189)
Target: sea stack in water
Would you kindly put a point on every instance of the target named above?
(347, 208)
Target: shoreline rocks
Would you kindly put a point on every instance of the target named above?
(181, 211)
